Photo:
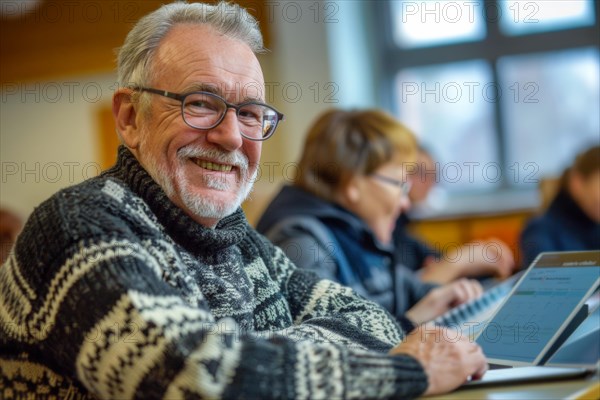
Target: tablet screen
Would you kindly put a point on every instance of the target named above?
(540, 306)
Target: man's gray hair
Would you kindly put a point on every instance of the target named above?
(134, 62)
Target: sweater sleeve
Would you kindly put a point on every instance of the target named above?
(313, 293)
(340, 335)
(331, 306)
(98, 312)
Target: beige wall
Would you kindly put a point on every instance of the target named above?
(48, 137)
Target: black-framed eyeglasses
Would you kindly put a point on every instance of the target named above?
(403, 185)
(206, 110)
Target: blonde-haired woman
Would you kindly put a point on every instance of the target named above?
(338, 216)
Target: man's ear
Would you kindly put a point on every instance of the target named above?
(125, 111)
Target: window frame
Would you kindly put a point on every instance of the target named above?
(495, 45)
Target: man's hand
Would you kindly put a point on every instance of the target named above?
(443, 298)
(447, 356)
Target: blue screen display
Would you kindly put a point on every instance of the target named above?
(534, 313)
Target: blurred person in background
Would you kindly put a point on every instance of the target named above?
(468, 260)
(338, 216)
(10, 226)
(572, 220)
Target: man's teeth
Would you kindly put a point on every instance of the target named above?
(213, 166)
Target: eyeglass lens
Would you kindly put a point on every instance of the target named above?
(204, 111)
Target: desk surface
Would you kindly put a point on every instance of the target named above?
(583, 388)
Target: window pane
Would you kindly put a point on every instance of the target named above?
(522, 17)
(451, 108)
(431, 23)
(550, 110)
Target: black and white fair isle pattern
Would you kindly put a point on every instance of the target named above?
(112, 292)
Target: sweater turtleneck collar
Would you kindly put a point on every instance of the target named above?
(180, 226)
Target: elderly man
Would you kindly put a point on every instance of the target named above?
(148, 282)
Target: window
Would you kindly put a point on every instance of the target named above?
(448, 102)
(550, 110)
(523, 17)
(506, 91)
(434, 23)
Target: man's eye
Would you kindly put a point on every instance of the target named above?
(247, 114)
(200, 104)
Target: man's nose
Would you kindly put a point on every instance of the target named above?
(227, 134)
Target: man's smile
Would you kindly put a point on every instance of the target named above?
(213, 166)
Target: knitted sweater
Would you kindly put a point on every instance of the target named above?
(112, 291)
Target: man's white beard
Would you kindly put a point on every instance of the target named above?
(210, 208)
(200, 206)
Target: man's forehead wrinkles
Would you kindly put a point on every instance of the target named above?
(238, 92)
(202, 73)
